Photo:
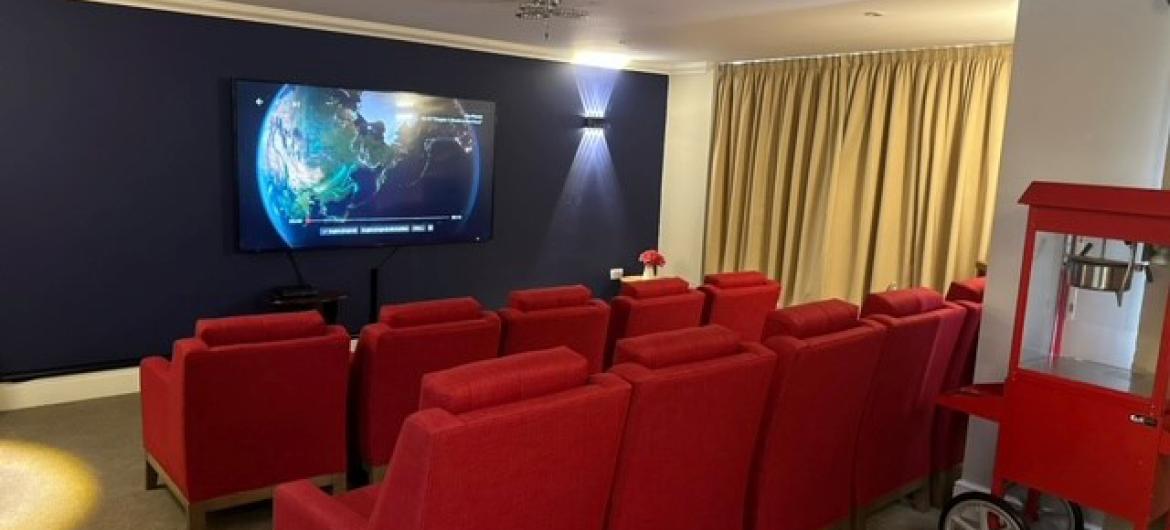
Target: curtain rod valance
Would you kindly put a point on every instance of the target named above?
(955, 52)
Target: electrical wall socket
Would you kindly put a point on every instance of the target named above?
(616, 274)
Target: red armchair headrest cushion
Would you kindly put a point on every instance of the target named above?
(731, 280)
(969, 290)
(670, 348)
(550, 298)
(431, 312)
(903, 303)
(813, 319)
(655, 288)
(504, 380)
(259, 328)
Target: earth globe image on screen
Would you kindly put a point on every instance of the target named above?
(329, 155)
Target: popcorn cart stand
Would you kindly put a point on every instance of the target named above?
(1077, 421)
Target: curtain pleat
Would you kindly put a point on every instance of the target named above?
(844, 175)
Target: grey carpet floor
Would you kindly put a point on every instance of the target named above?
(105, 435)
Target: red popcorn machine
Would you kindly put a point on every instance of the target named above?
(1082, 413)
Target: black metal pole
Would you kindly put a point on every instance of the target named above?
(375, 294)
(374, 273)
(292, 259)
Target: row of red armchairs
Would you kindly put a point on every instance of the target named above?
(418, 338)
(849, 418)
(200, 409)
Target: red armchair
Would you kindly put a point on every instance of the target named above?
(950, 427)
(803, 474)
(968, 290)
(523, 442)
(740, 301)
(698, 396)
(246, 404)
(393, 355)
(652, 306)
(538, 319)
(894, 456)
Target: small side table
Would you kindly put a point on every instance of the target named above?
(328, 303)
(640, 278)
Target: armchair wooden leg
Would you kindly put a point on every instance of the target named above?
(338, 484)
(196, 517)
(152, 482)
(920, 499)
(858, 519)
(845, 524)
(378, 473)
(942, 486)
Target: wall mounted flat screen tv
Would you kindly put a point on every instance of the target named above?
(325, 167)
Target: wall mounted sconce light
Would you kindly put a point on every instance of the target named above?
(594, 122)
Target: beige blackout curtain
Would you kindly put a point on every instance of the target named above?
(849, 174)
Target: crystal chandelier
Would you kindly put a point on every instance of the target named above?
(546, 10)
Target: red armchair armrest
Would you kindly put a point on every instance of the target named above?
(160, 420)
(302, 506)
(162, 411)
(155, 375)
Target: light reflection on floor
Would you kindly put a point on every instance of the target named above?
(44, 488)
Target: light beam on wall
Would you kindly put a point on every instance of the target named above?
(592, 171)
(592, 176)
(595, 85)
(590, 211)
(592, 167)
(44, 488)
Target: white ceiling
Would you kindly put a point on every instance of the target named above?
(679, 31)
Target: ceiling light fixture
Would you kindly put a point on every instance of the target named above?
(874, 14)
(615, 61)
(546, 10)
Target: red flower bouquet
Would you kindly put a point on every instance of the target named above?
(652, 259)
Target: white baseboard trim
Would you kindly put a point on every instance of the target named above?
(68, 388)
(966, 486)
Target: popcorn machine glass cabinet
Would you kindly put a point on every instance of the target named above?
(1095, 311)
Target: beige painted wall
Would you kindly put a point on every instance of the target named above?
(689, 111)
(1089, 103)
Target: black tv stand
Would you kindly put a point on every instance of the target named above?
(302, 296)
(295, 291)
(328, 303)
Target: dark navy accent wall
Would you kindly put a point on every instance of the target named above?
(117, 220)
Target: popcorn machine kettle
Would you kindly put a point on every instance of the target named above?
(1083, 410)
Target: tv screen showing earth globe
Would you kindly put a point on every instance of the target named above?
(325, 167)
